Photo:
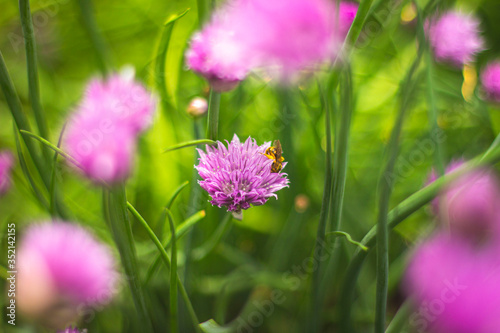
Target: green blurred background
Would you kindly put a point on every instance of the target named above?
(272, 238)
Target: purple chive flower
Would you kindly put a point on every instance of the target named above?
(456, 286)
(469, 205)
(240, 175)
(454, 38)
(6, 164)
(62, 266)
(490, 79)
(281, 38)
(101, 135)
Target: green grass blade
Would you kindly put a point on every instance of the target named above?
(96, 38)
(205, 249)
(115, 208)
(181, 230)
(50, 145)
(24, 167)
(386, 183)
(32, 67)
(176, 193)
(161, 59)
(439, 164)
(167, 262)
(316, 296)
(20, 118)
(174, 312)
(190, 144)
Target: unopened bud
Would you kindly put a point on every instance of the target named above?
(197, 107)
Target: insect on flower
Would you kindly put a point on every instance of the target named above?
(274, 153)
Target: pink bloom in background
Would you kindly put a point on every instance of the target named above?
(490, 79)
(103, 150)
(454, 38)
(62, 269)
(469, 205)
(120, 97)
(6, 164)
(101, 136)
(281, 38)
(455, 285)
(218, 55)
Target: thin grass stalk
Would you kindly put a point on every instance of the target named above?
(167, 262)
(341, 149)
(340, 155)
(21, 120)
(431, 100)
(350, 40)
(174, 326)
(32, 68)
(96, 38)
(213, 115)
(320, 236)
(385, 186)
(115, 209)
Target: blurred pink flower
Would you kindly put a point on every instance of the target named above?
(469, 205)
(490, 79)
(454, 37)
(218, 54)
(62, 269)
(101, 135)
(281, 38)
(456, 286)
(6, 164)
(119, 96)
(102, 149)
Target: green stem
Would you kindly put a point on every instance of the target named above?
(396, 216)
(20, 119)
(115, 208)
(320, 237)
(435, 131)
(97, 40)
(166, 260)
(340, 156)
(350, 41)
(213, 115)
(386, 184)
(174, 326)
(203, 9)
(31, 63)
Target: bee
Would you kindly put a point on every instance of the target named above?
(275, 153)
